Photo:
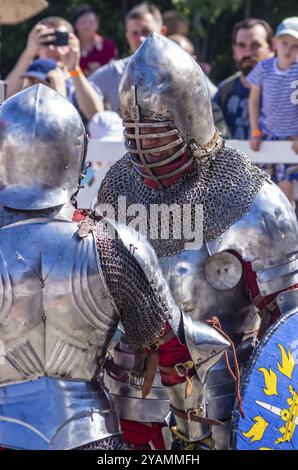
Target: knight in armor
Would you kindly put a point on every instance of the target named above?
(248, 258)
(65, 286)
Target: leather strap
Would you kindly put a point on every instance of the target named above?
(117, 371)
(183, 369)
(152, 363)
(139, 361)
(194, 415)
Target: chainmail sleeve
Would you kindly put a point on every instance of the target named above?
(143, 316)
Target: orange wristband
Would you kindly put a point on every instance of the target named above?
(256, 133)
(76, 72)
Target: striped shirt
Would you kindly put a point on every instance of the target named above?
(279, 107)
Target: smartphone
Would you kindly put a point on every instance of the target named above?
(60, 39)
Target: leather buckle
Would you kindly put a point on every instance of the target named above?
(195, 412)
(182, 368)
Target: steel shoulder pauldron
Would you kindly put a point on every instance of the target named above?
(267, 236)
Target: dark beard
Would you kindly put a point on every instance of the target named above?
(245, 69)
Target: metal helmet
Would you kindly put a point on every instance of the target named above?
(162, 84)
(42, 149)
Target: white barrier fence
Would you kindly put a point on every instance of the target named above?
(103, 154)
(2, 90)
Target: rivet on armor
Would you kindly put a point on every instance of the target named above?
(223, 271)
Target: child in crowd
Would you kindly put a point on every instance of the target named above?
(273, 100)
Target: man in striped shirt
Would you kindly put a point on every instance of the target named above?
(273, 103)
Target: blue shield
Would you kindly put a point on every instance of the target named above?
(270, 392)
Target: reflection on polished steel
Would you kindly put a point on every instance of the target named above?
(61, 296)
(153, 90)
(186, 277)
(213, 186)
(129, 401)
(287, 301)
(272, 225)
(52, 414)
(42, 148)
(193, 431)
(56, 313)
(249, 225)
(56, 320)
(205, 344)
(267, 237)
(167, 92)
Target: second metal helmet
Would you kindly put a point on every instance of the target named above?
(162, 82)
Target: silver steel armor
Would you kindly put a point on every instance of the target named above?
(56, 315)
(205, 284)
(129, 399)
(59, 307)
(154, 89)
(43, 145)
(63, 289)
(247, 220)
(204, 343)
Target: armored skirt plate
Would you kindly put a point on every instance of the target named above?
(270, 392)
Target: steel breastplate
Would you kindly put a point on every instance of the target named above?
(56, 316)
(201, 298)
(208, 281)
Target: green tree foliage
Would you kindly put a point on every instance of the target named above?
(212, 23)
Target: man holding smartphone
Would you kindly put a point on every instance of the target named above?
(53, 38)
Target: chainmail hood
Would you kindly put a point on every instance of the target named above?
(224, 187)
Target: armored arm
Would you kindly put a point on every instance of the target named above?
(266, 241)
(272, 273)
